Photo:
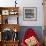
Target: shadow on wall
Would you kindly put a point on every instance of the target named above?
(37, 29)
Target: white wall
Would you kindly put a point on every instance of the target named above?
(27, 3)
(38, 5)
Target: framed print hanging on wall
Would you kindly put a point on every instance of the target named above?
(30, 13)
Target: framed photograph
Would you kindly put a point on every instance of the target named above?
(5, 12)
(30, 13)
(13, 12)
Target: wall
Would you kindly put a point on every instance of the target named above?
(38, 5)
(26, 3)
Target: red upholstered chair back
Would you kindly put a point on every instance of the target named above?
(29, 33)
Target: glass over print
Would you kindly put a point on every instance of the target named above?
(30, 13)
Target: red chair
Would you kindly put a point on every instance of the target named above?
(29, 33)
